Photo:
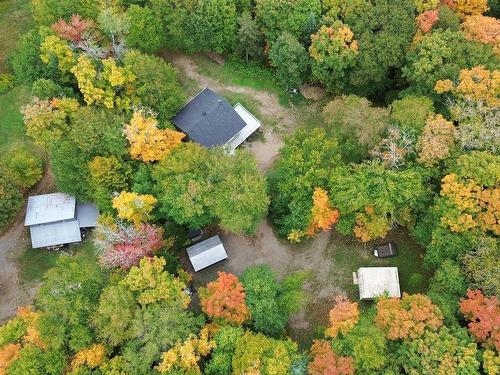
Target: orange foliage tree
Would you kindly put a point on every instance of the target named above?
(323, 214)
(437, 140)
(483, 314)
(343, 316)
(409, 316)
(324, 361)
(484, 30)
(8, 354)
(148, 142)
(224, 299)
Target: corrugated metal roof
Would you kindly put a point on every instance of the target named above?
(375, 281)
(49, 208)
(55, 234)
(86, 214)
(206, 253)
(252, 124)
(208, 119)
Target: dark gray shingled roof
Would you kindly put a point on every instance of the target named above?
(209, 119)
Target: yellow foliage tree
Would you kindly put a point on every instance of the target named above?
(466, 8)
(475, 205)
(111, 87)
(134, 207)
(436, 141)
(152, 284)
(91, 357)
(53, 46)
(478, 84)
(184, 356)
(369, 225)
(147, 142)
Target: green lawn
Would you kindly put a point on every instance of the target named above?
(15, 19)
(33, 263)
(240, 74)
(11, 121)
(349, 255)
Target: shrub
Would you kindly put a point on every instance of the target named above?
(22, 167)
(10, 200)
(6, 82)
(46, 89)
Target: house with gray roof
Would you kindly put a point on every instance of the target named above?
(209, 119)
(57, 219)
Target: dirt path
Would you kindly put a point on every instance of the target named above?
(266, 151)
(12, 243)
(265, 248)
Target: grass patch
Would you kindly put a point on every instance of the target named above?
(34, 263)
(15, 19)
(252, 75)
(12, 127)
(349, 255)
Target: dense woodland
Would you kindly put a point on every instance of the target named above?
(410, 137)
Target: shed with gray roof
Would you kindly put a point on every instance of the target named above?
(55, 219)
(377, 281)
(206, 253)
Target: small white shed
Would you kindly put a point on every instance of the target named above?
(375, 281)
(206, 253)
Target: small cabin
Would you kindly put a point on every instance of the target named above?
(376, 281)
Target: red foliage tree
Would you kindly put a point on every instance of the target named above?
(324, 361)
(224, 299)
(409, 316)
(427, 19)
(483, 314)
(74, 30)
(343, 316)
(123, 246)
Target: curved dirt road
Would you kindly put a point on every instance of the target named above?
(12, 293)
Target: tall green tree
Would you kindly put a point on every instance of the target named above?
(441, 55)
(156, 84)
(306, 160)
(145, 31)
(371, 198)
(196, 186)
(384, 32)
(271, 302)
(333, 53)
(249, 38)
(276, 17)
(290, 59)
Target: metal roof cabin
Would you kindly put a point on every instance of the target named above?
(206, 253)
(209, 119)
(56, 219)
(376, 281)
